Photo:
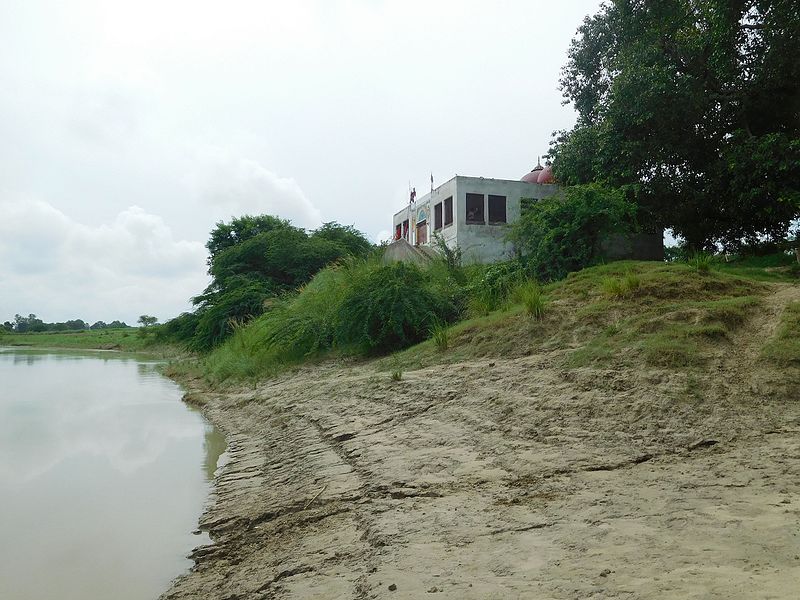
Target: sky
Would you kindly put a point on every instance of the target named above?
(128, 129)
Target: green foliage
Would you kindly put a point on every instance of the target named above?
(440, 336)
(391, 307)
(529, 295)
(489, 287)
(254, 260)
(784, 348)
(33, 324)
(147, 320)
(452, 256)
(778, 266)
(124, 339)
(239, 230)
(621, 287)
(215, 321)
(357, 307)
(181, 329)
(397, 375)
(702, 261)
(565, 233)
(347, 237)
(692, 107)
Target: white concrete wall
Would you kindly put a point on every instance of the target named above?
(486, 243)
(479, 243)
(424, 206)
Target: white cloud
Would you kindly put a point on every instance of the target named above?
(198, 112)
(61, 269)
(232, 186)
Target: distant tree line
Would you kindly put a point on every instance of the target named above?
(33, 324)
(253, 260)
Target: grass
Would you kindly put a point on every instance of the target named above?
(658, 314)
(529, 295)
(702, 262)
(784, 348)
(440, 336)
(782, 266)
(620, 314)
(621, 287)
(126, 339)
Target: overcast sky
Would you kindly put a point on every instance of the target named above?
(128, 129)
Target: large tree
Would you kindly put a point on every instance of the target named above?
(693, 108)
(252, 259)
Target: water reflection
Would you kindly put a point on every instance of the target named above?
(103, 474)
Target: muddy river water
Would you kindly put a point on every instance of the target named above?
(103, 475)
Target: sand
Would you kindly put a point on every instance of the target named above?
(509, 478)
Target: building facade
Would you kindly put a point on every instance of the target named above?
(471, 213)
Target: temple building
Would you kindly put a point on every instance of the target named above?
(472, 213)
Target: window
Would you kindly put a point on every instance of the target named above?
(422, 233)
(475, 208)
(448, 211)
(398, 232)
(497, 209)
(405, 230)
(437, 217)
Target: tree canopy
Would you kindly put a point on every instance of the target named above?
(692, 107)
(252, 259)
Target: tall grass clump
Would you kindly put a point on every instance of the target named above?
(621, 287)
(440, 336)
(529, 294)
(702, 262)
(489, 287)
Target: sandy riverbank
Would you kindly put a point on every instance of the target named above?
(508, 479)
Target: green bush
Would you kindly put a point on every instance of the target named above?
(440, 336)
(489, 287)
(391, 307)
(529, 294)
(621, 287)
(216, 321)
(181, 329)
(564, 233)
(702, 261)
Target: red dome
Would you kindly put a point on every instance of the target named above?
(546, 175)
(533, 176)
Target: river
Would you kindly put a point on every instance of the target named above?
(104, 473)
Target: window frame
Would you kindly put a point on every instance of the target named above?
(474, 196)
(448, 203)
(437, 216)
(496, 197)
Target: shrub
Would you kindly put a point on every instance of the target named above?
(440, 336)
(389, 308)
(564, 233)
(702, 262)
(214, 321)
(490, 286)
(621, 287)
(181, 329)
(529, 294)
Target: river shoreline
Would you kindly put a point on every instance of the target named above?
(503, 479)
